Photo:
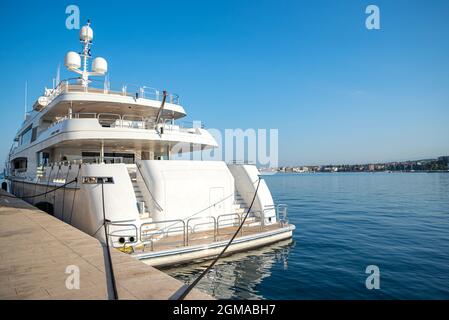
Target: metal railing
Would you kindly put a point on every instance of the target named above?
(106, 160)
(230, 219)
(122, 236)
(114, 120)
(108, 119)
(150, 93)
(282, 213)
(192, 229)
(88, 160)
(147, 234)
(241, 162)
(185, 229)
(104, 87)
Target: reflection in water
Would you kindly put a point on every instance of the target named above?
(346, 221)
(236, 276)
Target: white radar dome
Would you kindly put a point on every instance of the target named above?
(99, 65)
(72, 60)
(86, 33)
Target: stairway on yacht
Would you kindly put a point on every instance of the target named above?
(241, 208)
(239, 203)
(141, 203)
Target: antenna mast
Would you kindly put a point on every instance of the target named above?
(73, 60)
(86, 36)
(26, 98)
(58, 75)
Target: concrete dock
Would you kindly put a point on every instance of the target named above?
(40, 256)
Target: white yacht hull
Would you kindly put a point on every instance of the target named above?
(83, 205)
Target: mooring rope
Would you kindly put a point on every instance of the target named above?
(23, 187)
(35, 185)
(63, 191)
(74, 194)
(184, 291)
(40, 194)
(57, 177)
(48, 180)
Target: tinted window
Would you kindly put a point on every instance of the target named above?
(34, 134)
(26, 136)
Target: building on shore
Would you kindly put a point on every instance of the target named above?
(439, 164)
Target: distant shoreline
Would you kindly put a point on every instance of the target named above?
(333, 172)
(441, 164)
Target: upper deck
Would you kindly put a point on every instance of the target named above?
(104, 87)
(69, 97)
(98, 97)
(131, 114)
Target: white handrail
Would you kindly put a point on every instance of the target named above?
(125, 121)
(145, 92)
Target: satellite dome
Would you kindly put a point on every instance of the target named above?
(72, 60)
(86, 33)
(99, 65)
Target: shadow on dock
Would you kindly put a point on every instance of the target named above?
(46, 257)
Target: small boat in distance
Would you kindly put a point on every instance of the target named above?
(99, 159)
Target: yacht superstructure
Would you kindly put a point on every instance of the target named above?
(99, 159)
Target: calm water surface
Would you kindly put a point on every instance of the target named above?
(345, 222)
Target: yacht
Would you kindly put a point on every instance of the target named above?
(101, 160)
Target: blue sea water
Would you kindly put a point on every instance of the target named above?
(345, 222)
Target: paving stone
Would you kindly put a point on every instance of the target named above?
(34, 265)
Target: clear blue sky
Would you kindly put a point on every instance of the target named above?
(337, 92)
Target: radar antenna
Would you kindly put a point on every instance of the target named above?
(73, 59)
